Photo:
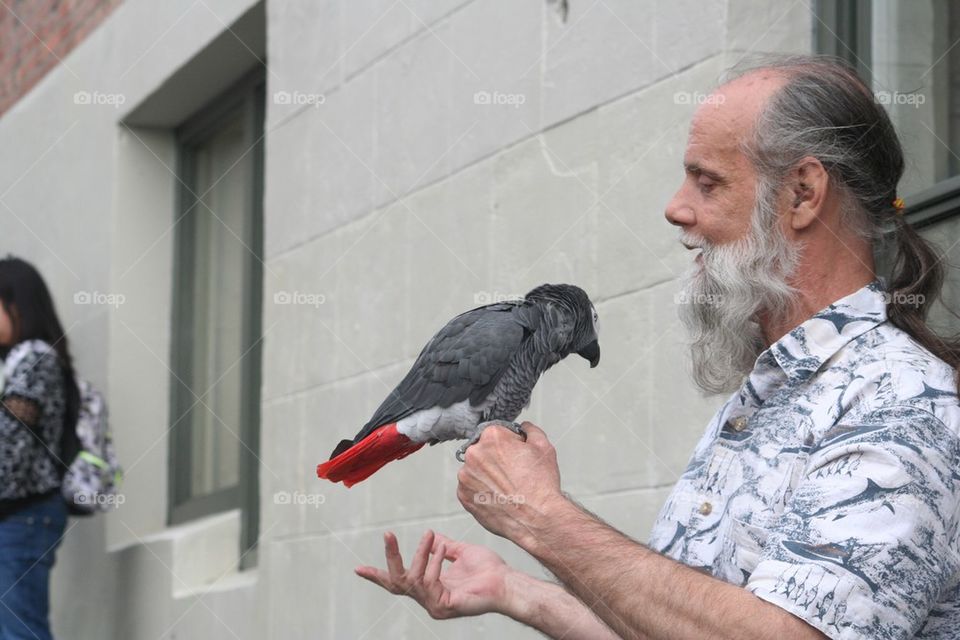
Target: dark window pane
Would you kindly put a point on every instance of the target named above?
(916, 76)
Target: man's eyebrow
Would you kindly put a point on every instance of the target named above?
(696, 169)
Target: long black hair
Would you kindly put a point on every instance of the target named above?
(27, 302)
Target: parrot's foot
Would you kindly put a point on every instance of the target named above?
(513, 426)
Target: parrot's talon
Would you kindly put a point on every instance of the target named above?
(462, 451)
(513, 426)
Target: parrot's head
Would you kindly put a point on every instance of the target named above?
(572, 321)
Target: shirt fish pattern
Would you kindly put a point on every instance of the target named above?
(829, 483)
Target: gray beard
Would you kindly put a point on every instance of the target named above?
(722, 297)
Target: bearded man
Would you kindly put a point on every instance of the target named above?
(823, 499)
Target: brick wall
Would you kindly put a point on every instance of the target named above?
(36, 34)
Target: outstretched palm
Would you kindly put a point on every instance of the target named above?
(471, 584)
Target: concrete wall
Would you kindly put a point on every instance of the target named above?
(401, 194)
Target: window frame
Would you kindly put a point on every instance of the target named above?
(843, 28)
(246, 97)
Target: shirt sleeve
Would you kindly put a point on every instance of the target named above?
(33, 378)
(868, 540)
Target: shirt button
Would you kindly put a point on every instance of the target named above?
(739, 423)
(705, 509)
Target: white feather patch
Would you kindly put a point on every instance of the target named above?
(456, 422)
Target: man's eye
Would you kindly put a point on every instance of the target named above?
(706, 185)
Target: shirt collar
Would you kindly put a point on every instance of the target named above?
(801, 352)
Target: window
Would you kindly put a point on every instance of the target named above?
(842, 29)
(215, 403)
(909, 53)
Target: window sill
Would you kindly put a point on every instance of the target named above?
(202, 556)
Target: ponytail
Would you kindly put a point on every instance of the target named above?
(916, 279)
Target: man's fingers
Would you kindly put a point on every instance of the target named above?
(453, 547)
(433, 568)
(419, 562)
(392, 551)
(375, 576)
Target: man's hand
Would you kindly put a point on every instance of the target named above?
(474, 582)
(479, 581)
(507, 484)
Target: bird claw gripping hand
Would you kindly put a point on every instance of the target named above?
(513, 426)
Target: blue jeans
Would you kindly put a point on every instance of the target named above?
(28, 542)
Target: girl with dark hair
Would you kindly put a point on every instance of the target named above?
(39, 401)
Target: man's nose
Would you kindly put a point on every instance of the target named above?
(678, 212)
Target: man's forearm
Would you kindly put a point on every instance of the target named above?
(642, 594)
(550, 609)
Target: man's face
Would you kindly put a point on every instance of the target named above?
(717, 195)
(745, 261)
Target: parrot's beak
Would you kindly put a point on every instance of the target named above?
(591, 352)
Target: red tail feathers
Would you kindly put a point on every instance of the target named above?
(363, 459)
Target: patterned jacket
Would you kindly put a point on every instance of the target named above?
(28, 453)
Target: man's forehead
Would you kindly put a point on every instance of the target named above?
(722, 122)
(711, 145)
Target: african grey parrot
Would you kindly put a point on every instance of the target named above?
(479, 369)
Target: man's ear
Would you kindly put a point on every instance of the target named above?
(808, 181)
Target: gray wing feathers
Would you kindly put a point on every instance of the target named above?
(464, 360)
